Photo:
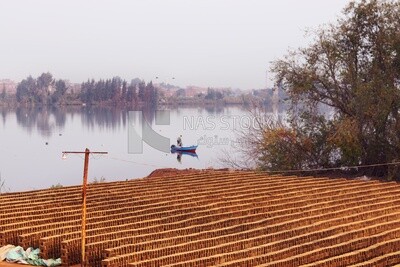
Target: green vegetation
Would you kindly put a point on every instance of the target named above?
(116, 90)
(96, 181)
(344, 92)
(2, 185)
(3, 93)
(45, 90)
(58, 185)
(213, 94)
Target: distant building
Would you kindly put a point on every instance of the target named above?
(192, 91)
(9, 85)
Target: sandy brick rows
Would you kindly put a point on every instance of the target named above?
(209, 218)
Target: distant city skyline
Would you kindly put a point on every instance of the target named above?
(205, 43)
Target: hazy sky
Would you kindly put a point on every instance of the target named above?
(210, 43)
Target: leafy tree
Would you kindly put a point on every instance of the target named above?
(46, 90)
(87, 91)
(44, 84)
(131, 94)
(116, 87)
(142, 90)
(124, 90)
(59, 92)
(45, 80)
(40, 90)
(213, 94)
(180, 93)
(26, 90)
(3, 93)
(150, 95)
(353, 68)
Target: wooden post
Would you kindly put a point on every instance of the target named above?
(84, 186)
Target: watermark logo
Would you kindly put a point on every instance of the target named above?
(223, 123)
(211, 141)
(215, 140)
(140, 130)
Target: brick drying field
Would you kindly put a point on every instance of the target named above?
(212, 218)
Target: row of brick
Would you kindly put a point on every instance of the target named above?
(147, 253)
(78, 253)
(44, 249)
(111, 236)
(204, 218)
(295, 236)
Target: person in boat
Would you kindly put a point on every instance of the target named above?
(179, 141)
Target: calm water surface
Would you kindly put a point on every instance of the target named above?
(32, 141)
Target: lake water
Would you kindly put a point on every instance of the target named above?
(32, 142)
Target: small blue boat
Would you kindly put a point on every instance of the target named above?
(183, 148)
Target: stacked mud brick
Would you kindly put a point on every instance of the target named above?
(212, 218)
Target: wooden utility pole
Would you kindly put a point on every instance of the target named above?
(84, 185)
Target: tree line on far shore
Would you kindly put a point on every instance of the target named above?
(45, 90)
(116, 90)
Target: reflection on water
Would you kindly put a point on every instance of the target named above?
(32, 141)
(179, 155)
(46, 119)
